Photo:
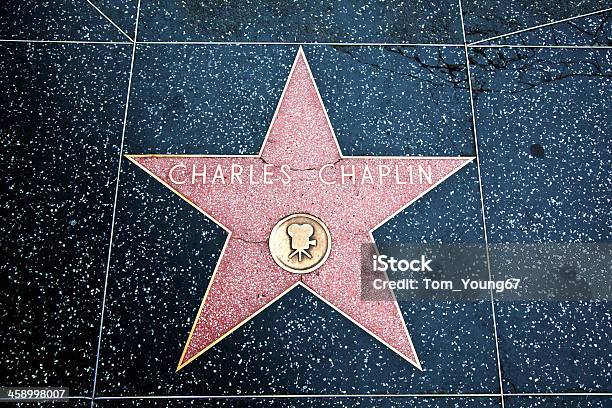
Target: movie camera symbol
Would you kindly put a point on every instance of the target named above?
(300, 240)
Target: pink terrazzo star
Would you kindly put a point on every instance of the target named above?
(299, 170)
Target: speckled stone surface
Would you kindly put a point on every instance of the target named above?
(395, 402)
(367, 91)
(594, 30)
(543, 118)
(55, 20)
(121, 12)
(174, 96)
(396, 21)
(408, 101)
(69, 403)
(491, 18)
(559, 402)
(60, 127)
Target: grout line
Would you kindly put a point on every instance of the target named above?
(63, 41)
(69, 397)
(538, 26)
(473, 45)
(540, 46)
(364, 44)
(111, 21)
(482, 206)
(562, 394)
(112, 231)
(323, 396)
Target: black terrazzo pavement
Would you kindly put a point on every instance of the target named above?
(542, 115)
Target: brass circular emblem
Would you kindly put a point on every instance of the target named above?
(300, 243)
